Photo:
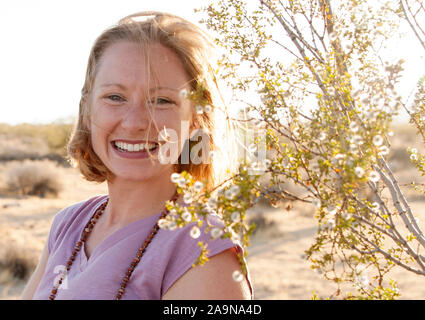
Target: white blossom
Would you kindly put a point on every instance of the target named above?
(357, 139)
(175, 177)
(229, 194)
(195, 232)
(235, 189)
(333, 36)
(173, 213)
(338, 158)
(383, 150)
(354, 127)
(183, 94)
(375, 207)
(413, 157)
(188, 197)
(198, 186)
(237, 276)
(208, 209)
(332, 210)
(317, 203)
(235, 216)
(347, 47)
(199, 109)
(331, 223)
(377, 140)
(207, 108)
(181, 182)
(212, 202)
(374, 176)
(232, 192)
(172, 225)
(361, 278)
(345, 215)
(186, 216)
(259, 166)
(359, 172)
(216, 232)
(162, 223)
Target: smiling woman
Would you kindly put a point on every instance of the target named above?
(130, 113)
(140, 77)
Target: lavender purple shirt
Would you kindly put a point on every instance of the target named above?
(166, 259)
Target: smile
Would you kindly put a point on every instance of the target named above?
(138, 150)
(135, 147)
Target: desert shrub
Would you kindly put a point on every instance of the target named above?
(18, 263)
(56, 135)
(262, 224)
(37, 178)
(51, 138)
(59, 159)
(21, 147)
(323, 84)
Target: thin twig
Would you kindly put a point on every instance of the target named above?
(397, 194)
(403, 6)
(387, 255)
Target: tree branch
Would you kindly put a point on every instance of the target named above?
(403, 4)
(396, 195)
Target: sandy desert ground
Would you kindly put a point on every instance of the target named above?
(277, 268)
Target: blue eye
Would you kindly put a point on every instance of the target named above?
(115, 98)
(163, 101)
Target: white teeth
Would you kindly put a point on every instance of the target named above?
(134, 147)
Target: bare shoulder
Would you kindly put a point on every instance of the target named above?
(211, 281)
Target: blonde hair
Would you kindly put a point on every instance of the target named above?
(195, 50)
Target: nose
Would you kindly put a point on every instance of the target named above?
(136, 118)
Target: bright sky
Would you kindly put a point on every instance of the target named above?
(46, 43)
(45, 47)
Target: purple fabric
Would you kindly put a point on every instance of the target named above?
(166, 259)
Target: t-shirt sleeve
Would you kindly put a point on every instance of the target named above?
(64, 218)
(55, 229)
(187, 251)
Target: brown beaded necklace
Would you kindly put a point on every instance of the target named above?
(88, 228)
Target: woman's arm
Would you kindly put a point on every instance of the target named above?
(211, 281)
(35, 279)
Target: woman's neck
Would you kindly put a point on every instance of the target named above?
(133, 200)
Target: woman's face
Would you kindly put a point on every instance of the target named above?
(132, 103)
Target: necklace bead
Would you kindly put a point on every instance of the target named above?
(86, 231)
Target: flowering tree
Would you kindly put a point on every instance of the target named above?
(327, 101)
